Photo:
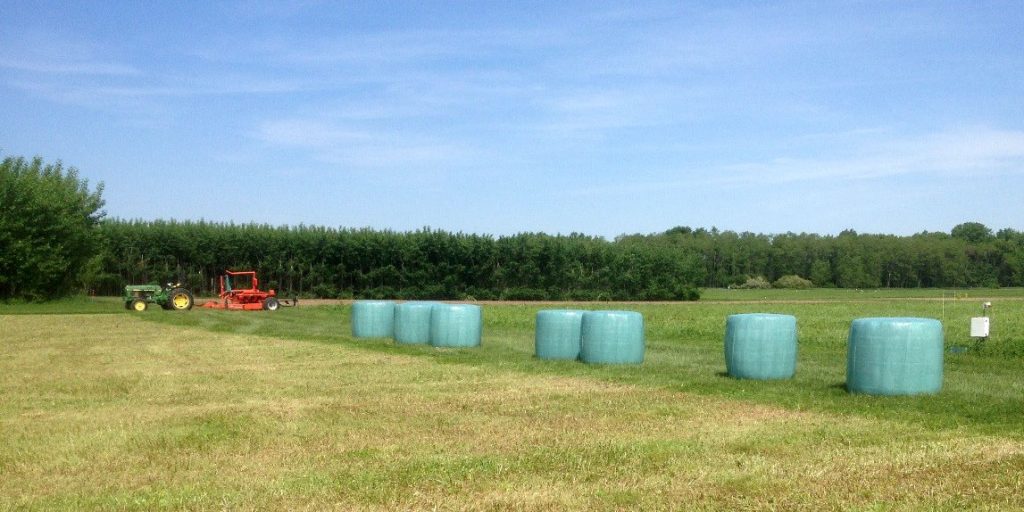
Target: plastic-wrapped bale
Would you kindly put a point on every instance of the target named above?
(557, 335)
(412, 322)
(760, 346)
(894, 356)
(612, 337)
(455, 325)
(373, 319)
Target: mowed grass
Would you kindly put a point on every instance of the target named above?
(284, 410)
(983, 385)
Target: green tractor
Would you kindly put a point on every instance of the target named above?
(137, 297)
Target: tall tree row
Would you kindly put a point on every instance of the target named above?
(323, 262)
(53, 241)
(971, 255)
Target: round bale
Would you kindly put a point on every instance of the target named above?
(557, 335)
(612, 337)
(455, 325)
(373, 318)
(894, 356)
(760, 346)
(412, 322)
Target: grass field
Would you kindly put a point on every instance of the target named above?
(284, 410)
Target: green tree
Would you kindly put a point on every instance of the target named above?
(48, 219)
(821, 272)
(972, 232)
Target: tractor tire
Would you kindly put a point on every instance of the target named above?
(138, 305)
(271, 304)
(180, 300)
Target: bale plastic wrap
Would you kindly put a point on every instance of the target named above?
(455, 325)
(612, 337)
(557, 335)
(894, 356)
(373, 318)
(760, 346)
(412, 322)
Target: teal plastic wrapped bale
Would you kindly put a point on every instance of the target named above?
(558, 333)
(760, 346)
(373, 319)
(455, 325)
(612, 337)
(894, 356)
(412, 322)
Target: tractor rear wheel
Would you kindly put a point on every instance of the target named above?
(271, 304)
(180, 299)
(139, 305)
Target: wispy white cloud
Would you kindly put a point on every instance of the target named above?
(308, 133)
(427, 72)
(134, 93)
(589, 111)
(357, 148)
(408, 50)
(68, 67)
(45, 52)
(957, 153)
(80, 72)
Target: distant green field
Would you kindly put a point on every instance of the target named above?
(69, 306)
(221, 409)
(841, 294)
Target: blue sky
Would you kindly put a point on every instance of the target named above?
(504, 117)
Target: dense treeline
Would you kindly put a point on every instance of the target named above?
(322, 262)
(48, 219)
(53, 240)
(971, 255)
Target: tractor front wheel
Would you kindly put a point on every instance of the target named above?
(271, 304)
(181, 299)
(138, 305)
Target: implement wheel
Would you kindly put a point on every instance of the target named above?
(138, 305)
(181, 299)
(271, 304)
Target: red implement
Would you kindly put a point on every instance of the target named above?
(235, 295)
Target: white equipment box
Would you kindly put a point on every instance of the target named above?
(979, 327)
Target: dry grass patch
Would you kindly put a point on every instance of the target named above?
(111, 412)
